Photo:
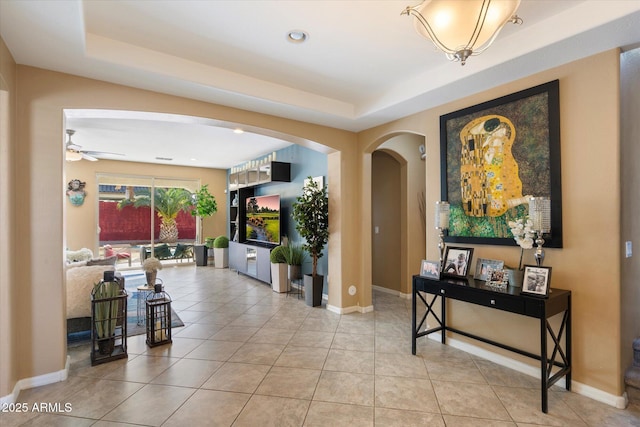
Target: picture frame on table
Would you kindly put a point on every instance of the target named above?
(495, 154)
(430, 269)
(537, 281)
(497, 278)
(457, 261)
(483, 265)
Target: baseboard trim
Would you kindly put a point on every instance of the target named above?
(391, 291)
(40, 380)
(619, 402)
(351, 309)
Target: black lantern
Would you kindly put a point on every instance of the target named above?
(108, 320)
(158, 317)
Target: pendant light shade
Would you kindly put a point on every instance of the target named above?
(463, 28)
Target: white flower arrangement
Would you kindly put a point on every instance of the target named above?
(522, 230)
(151, 264)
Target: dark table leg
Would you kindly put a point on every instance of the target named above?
(543, 362)
(414, 332)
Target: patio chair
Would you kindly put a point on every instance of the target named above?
(120, 253)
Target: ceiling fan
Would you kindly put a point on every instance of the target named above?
(74, 152)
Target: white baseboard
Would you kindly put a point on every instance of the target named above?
(347, 310)
(40, 380)
(619, 402)
(391, 291)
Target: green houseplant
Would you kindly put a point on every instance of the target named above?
(210, 253)
(294, 255)
(221, 251)
(311, 214)
(105, 315)
(279, 268)
(204, 205)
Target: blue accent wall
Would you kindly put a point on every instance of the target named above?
(304, 163)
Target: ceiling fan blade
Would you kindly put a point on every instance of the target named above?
(88, 157)
(98, 153)
(72, 146)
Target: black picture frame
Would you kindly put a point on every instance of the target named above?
(533, 130)
(430, 269)
(451, 266)
(537, 281)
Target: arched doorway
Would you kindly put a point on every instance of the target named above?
(397, 186)
(386, 205)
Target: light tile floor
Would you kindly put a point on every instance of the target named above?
(250, 357)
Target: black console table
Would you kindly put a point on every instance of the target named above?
(509, 299)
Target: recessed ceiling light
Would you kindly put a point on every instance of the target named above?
(238, 131)
(297, 36)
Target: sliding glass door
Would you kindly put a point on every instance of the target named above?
(136, 213)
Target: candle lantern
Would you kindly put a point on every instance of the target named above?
(108, 320)
(442, 224)
(158, 308)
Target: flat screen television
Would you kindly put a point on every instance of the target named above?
(262, 219)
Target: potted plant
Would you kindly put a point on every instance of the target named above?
(311, 213)
(279, 269)
(105, 315)
(208, 242)
(294, 256)
(221, 251)
(204, 205)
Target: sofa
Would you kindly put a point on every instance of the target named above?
(81, 276)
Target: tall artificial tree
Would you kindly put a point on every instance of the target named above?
(204, 205)
(311, 214)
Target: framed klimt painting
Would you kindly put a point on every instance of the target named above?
(494, 156)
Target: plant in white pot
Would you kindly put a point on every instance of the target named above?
(279, 268)
(311, 213)
(204, 205)
(221, 252)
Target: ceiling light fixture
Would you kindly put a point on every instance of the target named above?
(463, 28)
(238, 131)
(297, 36)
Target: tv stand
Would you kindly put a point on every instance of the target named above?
(251, 259)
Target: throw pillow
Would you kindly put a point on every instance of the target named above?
(182, 251)
(162, 251)
(102, 261)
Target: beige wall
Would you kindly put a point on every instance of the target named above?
(81, 227)
(630, 218)
(589, 96)
(39, 159)
(405, 147)
(8, 256)
(386, 217)
(589, 110)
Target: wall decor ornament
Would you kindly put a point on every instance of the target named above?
(75, 192)
(493, 157)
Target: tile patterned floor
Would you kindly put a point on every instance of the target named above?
(250, 357)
